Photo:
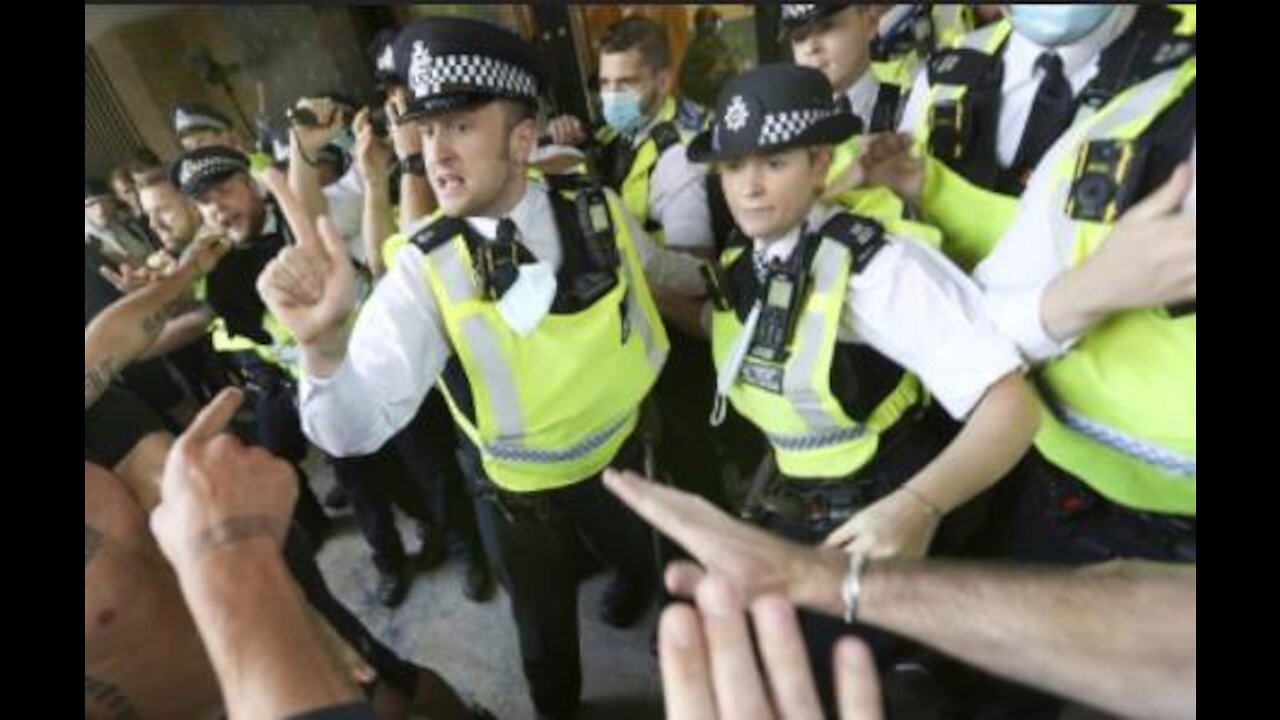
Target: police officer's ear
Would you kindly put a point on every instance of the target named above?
(820, 163)
(666, 80)
(522, 125)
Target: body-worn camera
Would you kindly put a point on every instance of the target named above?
(1106, 180)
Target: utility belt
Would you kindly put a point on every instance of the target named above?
(824, 504)
(544, 505)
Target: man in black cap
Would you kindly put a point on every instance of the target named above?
(545, 346)
(218, 179)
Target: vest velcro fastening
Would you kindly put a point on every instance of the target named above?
(1148, 47)
(437, 233)
(863, 236)
(664, 135)
(962, 66)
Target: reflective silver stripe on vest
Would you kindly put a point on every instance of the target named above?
(504, 400)
(1143, 451)
(828, 265)
(948, 93)
(454, 273)
(512, 453)
(816, 441)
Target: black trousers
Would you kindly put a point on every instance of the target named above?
(1055, 518)
(278, 429)
(374, 483)
(371, 481)
(428, 447)
(534, 540)
(689, 447)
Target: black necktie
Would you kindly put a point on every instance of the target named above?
(501, 263)
(507, 232)
(1051, 114)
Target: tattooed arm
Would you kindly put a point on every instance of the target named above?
(124, 331)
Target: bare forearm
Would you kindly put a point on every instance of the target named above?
(1122, 638)
(268, 659)
(996, 436)
(376, 224)
(304, 181)
(1073, 302)
(683, 313)
(121, 332)
(322, 358)
(180, 332)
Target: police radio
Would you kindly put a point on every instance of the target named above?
(497, 265)
(602, 250)
(1106, 180)
(783, 292)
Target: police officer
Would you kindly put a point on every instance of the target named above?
(871, 55)
(265, 354)
(529, 305)
(198, 126)
(836, 38)
(1117, 476)
(1095, 281)
(987, 110)
(817, 345)
(640, 153)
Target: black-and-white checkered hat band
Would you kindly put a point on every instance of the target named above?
(185, 121)
(782, 127)
(197, 170)
(796, 11)
(431, 75)
(386, 59)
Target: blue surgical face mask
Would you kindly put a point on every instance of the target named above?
(1053, 25)
(622, 111)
